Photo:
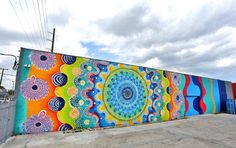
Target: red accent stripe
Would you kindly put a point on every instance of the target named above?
(187, 78)
(203, 90)
(234, 90)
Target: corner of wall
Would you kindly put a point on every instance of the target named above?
(234, 90)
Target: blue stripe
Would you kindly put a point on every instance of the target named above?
(223, 95)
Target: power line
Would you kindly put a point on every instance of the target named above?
(6, 78)
(14, 9)
(45, 2)
(7, 74)
(33, 24)
(27, 22)
(15, 63)
(39, 26)
(44, 19)
(40, 17)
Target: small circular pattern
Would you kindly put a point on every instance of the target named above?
(72, 91)
(76, 71)
(74, 113)
(34, 88)
(125, 94)
(65, 127)
(59, 79)
(68, 59)
(42, 60)
(56, 104)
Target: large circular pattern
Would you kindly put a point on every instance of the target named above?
(68, 59)
(42, 60)
(59, 79)
(56, 104)
(178, 98)
(175, 78)
(38, 123)
(125, 94)
(34, 88)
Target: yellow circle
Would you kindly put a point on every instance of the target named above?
(162, 112)
(76, 71)
(74, 113)
(72, 91)
(163, 84)
(89, 68)
(81, 102)
(159, 104)
(82, 82)
(156, 77)
(86, 122)
(164, 98)
(159, 90)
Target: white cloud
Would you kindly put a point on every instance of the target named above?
(226, 62)
(197, 37)
(153, 63)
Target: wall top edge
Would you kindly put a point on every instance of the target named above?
(23, 48)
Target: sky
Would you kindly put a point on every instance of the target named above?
(187, 36)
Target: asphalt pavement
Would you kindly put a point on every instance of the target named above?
(211, 131)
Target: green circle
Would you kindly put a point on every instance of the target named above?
(116, 102)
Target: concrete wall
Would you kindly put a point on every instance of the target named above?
(60, 92)
(7, 113)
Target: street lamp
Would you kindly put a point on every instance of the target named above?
(15, 62)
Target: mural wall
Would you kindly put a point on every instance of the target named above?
(60, 92)
(234, 90)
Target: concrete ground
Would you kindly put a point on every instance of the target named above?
(195, 132)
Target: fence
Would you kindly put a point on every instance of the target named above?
(7, 113)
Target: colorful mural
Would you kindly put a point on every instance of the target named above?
(61, 92)
(234, 90)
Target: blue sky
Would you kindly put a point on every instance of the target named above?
(194, 37)
(94, 51)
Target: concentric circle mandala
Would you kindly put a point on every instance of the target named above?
(59, 79)
(125, 94)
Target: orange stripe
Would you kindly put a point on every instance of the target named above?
(34, 107)
(212, 98)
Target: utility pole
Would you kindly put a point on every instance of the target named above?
(2, 75)
(53, 39)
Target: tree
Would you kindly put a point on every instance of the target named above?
(11, 92)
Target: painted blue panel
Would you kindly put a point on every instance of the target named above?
(193, 105)
(193, 90)
(216, 95)
(223, 95)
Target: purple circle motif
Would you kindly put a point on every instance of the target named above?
(38, 123)
(175, 79)
(34, 88)
(175, 115)
(42, 60)
(178, 99)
